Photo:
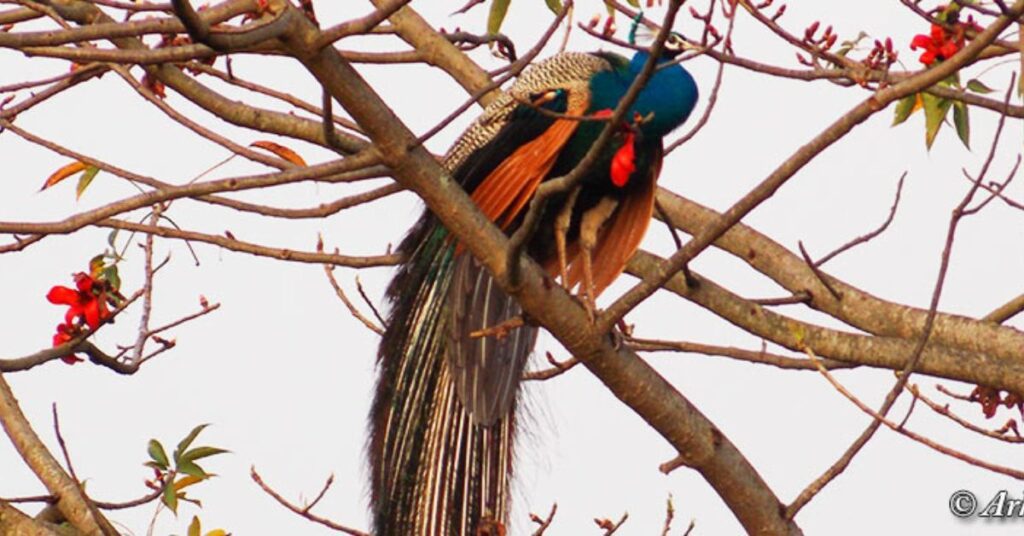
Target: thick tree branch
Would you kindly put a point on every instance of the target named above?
(72, 502)
(875, 351)
(439, 51)
(857, 308)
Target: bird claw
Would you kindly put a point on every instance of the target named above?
(590, 308)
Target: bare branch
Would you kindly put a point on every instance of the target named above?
(869, 236)
(73, 503)
(302, 511)
(879, 417)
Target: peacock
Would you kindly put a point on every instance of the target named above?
(443, 417)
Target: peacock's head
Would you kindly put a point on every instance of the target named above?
(675, 44)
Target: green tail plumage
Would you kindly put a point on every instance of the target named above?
(436, 472)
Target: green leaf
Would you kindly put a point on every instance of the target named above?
(170, 498)
(85, 180)
(191, 469)
(112, 276)
(904, 108)
(111, 238)
(157, 453)
(554, 5)
(184, 443)
(847, 46)
(962, 122)
(978, 86)
(499, 8)
(935, 110)
(194, 528)
(199, 453)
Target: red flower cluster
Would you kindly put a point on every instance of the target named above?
(87, 306)
(939, 45)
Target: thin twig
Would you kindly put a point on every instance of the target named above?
(1008, 471)
(609, 527)
(948, 413)
(557, 368)
(869, 236)
(543, 524)
(63, 445)
(818, 273)
(369, 303)
(302, 511)
(761, 357)
(323, 491)
(329, 270)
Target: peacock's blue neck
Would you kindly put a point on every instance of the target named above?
(670, 94)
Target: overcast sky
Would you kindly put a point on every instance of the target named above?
(285, 374)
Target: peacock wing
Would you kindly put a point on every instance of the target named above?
(500, 161)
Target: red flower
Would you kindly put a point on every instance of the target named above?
(85, 302)
(64, 334)
(939, 45)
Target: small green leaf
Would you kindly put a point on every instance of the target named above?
(85, 180)
(904, 108)
(184, 443)
(170, 499)
(847, 46)
(112, 276)
(194, 528)
(157, 453)
(962, 122)
(499, 8)
(199, 453)
(935, 110)
(978, 86)
(111, 238)
(554, 5)
(191, 469)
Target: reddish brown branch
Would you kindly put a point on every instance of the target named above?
(879, 417)
(302, 511)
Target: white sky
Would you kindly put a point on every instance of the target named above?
(285, 374)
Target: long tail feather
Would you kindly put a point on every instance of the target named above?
(435, 472)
